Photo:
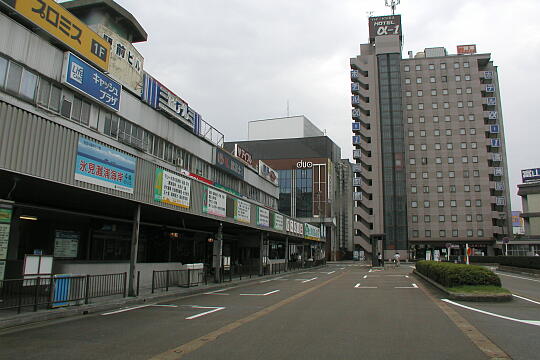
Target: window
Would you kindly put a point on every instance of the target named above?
(445, 91)
(453, 203)
(415, 233)
(453, 218)
(460, 104)
(407, 81)
(450, 160)
(427, 218)
(443, 66)
(434, 92)
(466, 188)
(422, 119)
(471, 117)
(438, 160)
(414, 204)
(420, 93)
(469, 104)
(14, 75)
(472, 131)
(409, 106)
(449, 146)
(412, 175)
(414, 218)
(56, 95)
(431, 66)
(442, 233)
(466, 64)
(477, 188)
(409, 120)
(480, 232)
(441, 218)
(448, 132)
(452, 188)
(418, 68)
(467, 77)
(458, 91)
(462, 131)
(441, 203)
(461, 117)
(424, 161)
(447, 118)
(426, 189)
(423, 147)
(412, 161)
(437, 146)
(418, 80)
(80, 111)
(422, 132)
(469, 233)
(3, 69)
(435, 106)
(468, 217)
(425, 175)
(451, 174)
(455, 233)
(479, 218)
(413, 189)
(411, 133)
(464, 159)
(439, 174)
(432, 79)
(411, 147)
(478, 203)
(439, 188)
(474, 145)
(406, 68)
(476, 173)
(458, 77)
(408, 93)
(468, 203)
(475, 159)
(420, 106)
(468, 90)
(437, 132)
(435, 119)
(446, 105)
(444, 78)
(428, 233)
(426, 203)
(456, 65)
(28, 85)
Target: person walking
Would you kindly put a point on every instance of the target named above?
(396, 259)
(379, 257)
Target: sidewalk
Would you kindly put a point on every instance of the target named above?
(9, 317)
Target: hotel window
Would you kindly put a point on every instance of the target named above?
(458, 91)
(468, 90)
(406, 68)
(445, 91)
(474, 145)
(418, 68)
(439, 188)
(471, 117)
(414, 204)
(428, 233)
(411, 147)
(407, 81)
(472, 131)
(464, 159)
(438, 160)
(467, 77)
(441, 203)
(447, 118)
(437, 146)
(439, 174)
(444, 79)
(449, 146)
(408, 93)
(458, 77)
(476, 173)
(452, 188)
(423, 147)
(412, 175)
(414, 218)
(409, 120)
(455, 233)
(437, 132)
(431, 66)
(466, 64)
(422, 132)
(450, 160)
(435, 119)
(461, 117)
(422, 119)
(424, 161)
(480, 232)
(451, 174)
(434, 92)
(420, 93)
(418, 80)
(479, 218)
(466, 188)
(475, 159)
(413, 190)
(456, 65)
(446, 105)
(478, 203)
(460, 104)
(468, 218)
(412, 161)
(415, 233)
(470, 104)
(462, 131)
(453, 203)
(448, 132)
(454, 218)
(468, 203)
(427, 218)
(442, 233)
(469, 233)
(443, 66)
(441, 218)
(435, 106)
(432, 79)
(426, 203)
(411, 133)
(426, 189)
(420, 106)
(425, 175)
(477, 188)
(409, 106)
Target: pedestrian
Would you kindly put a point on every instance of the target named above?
(379, 257)
(396, 259)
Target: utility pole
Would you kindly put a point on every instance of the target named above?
(392, 4)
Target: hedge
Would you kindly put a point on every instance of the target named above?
(451, 275)
(529, 262)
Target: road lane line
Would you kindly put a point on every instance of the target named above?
(193, 345)
(158, 305)
(265, 294)
(529, 322)
(414, 286)
(518, 277)
(330, 273)
(220, 290)
(214, 309)
(365, 276)
(524, 298)
(357, 286)
(126, 309)
(308, 280)
(485, 345)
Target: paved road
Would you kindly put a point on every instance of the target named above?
(337, 312)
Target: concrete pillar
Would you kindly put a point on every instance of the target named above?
(134, 250)
(261, 254)
(287, 254)
(217, 252)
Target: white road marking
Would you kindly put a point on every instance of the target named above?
(265, 294)
(524, 298)
(329, 273)
(341, 268)
(397, 275)
(357, 286)
(407, 276)
(365, 276)
(414, 286)
(518, 277)
(214, 309)
(308, 280)
(220, 290)
(158, 305)
(126, 309)
(529, 322)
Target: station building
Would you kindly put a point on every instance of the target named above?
(315, 184)
(102, 165)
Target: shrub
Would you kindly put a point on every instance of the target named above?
(451, 275)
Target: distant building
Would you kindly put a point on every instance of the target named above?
(428, 142)
(529, 243)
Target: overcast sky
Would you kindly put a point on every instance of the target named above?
(239, 60)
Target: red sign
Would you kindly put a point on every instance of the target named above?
(466, 49)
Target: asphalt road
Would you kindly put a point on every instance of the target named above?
(337, 312)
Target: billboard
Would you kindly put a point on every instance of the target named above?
(530, 175)
(268, 173)
(312, 232)
(278, 222)
(243, 154)
(172, 189)
(87, 80)
(214, 202)
(384, 25)
(242, 211)
(66, 28)
(227, 163)
(466, 49)
(100, 165)
(263, 217)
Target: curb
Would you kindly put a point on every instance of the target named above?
(79, 310)
(464, 297)
(522, 271)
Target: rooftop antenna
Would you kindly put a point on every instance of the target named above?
(369, 13)
(392, 4)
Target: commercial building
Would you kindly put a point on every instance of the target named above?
(528, 243)
(103, 169)
(428, 138)
(315, 184)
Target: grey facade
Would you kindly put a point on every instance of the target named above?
(429, 147)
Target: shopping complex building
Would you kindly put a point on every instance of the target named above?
(429, 149)
(101, 163)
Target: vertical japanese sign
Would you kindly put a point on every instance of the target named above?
(242, 211)
(100, 165)
(66, 28)
(263, 217)
(214, 202)
(5, 226)
(172, 189)
(278, 222)
(91, 82)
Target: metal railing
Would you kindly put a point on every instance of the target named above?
(60, 290)
(163, 279)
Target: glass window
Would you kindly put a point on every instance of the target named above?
(422, 119)
(432, 79)
(460, 104)
(445, 91)
(28, 85)
(456, 65)
(461, 117)
(428, 233)
(468, 203)
(450, 160)
(415, 218)
(437, 132)
(469, 104)
(435, 119)
(76, 112)
(412, 175)
(466, 64)
(469, 233)
(14, 76)
(472, 131)
(466, 188)
(444, 79)
(452, 188)
(458, 77)
(56, 95)
(475, 159)
(439, 174)
(415, 233)
(458, 91)
(85, 113)
(441, 218)
(425, 175)
(468, 77)
(468, 90)
(411, 147)
(426, 203)
(477, 188)
(3, 69)
(407, 81)
(435, 106)
(426, 189)
(474, 145)
(422, 132)
(439, 188)
(438, 160)
(462, 131)
(453, 203)
(44, 92)
(420, 106)
(420, 93)
(418, 68)
(479, 218)
(406, 68)
(455, 233)
(443, 66)
(464, 159)
(442, 233)
(414, 204)
(448, 132)
(446, 105)
(412, 161)
(408, 93)
(411, 133)
(409, 120)
(441, 203)
(453, 218)
(471, 117)
(413, 190)
(451, 174)
(480, 232)
(476, 173)
(423, 147)
(431, 66)
(409, 106)
(437, 146)
(449, 146)
(418, 80)
(434, 92)
(427, 218)
(478, 203)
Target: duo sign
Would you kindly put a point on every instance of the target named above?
(64, 27)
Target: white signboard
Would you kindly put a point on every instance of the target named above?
(242, 211)
(172, 189)
(4, 240)
(215, 202)
(278, 222)
(66, 243)
(263, 217)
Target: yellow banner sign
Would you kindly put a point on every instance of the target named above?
(67, 28)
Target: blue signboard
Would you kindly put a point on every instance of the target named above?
(355, 126)
(530, 175)
(100, 165)
(230, 165)
(91, 82)
(494, 129)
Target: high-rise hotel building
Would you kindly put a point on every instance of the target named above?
(429, 150)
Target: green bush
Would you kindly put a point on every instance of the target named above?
(451, 275)
(529, 262)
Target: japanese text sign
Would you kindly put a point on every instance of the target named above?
(242, 211)
(172, 189)
(66, 28)
(214, 202)
(230, 165)
(100, 165)
(89, 81)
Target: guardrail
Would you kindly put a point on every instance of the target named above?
(60, 290)
(164, 279)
